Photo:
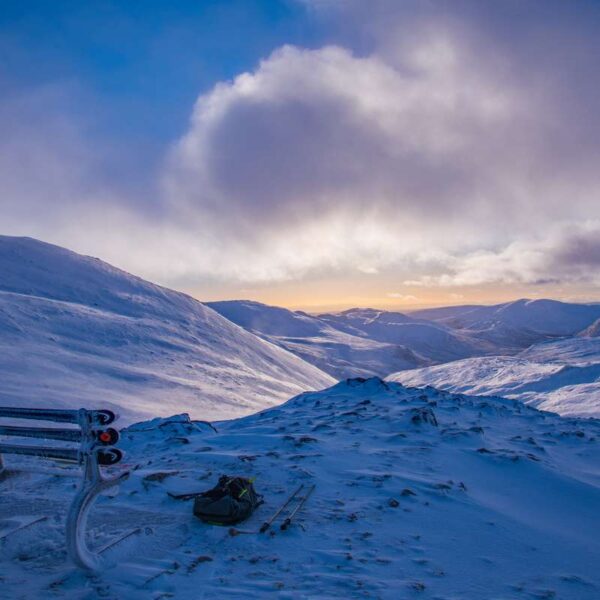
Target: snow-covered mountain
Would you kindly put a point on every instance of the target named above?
(435, 341)
(419, 494)
(337, 352)
(517, 324)
(561, 376)
(356, 342)
(75, 331)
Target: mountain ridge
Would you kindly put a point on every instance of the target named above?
(77, 331)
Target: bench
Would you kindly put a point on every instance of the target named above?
(95, 448)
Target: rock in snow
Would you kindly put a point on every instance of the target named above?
(75, 331)
(419, 493)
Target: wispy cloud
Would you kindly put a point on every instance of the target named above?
(568, 254)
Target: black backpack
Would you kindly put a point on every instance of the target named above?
(232, 500)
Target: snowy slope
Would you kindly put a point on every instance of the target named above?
(561, 376)
(592, 331)
(420, 494)
(337, 352)
(516, 324)
(75, 331)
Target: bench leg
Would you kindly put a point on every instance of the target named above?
(93, 485)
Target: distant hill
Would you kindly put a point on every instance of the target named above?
(75, 331)
(340, 353)
(356, 342)
(436, 342)
(517, 324)
(562, 376)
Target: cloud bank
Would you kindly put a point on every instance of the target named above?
(448, 149)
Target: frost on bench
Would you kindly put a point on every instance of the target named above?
(96, 449)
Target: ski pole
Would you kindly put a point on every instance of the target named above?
(269, 522)
(288, 521)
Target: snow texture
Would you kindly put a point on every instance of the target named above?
(76, 332)
(419, 494)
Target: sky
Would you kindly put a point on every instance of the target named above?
(315, 154)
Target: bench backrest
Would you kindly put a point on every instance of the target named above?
(95, 439)
(95, 447)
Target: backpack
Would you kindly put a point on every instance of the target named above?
(231, 501)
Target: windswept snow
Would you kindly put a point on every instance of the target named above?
(561, 376)
(75, 331)
(419, 494)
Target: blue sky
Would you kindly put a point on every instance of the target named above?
(134, 69)
(310, 152)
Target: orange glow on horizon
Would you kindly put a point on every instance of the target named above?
(332, 295)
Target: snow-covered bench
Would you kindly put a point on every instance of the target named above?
(95, 448)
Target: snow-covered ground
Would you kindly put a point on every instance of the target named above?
(419, 494)
(561, 376)
(75, 331)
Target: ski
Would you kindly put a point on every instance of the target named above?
(287, 522)
(269, 522)
(119, 539)
(3, 536)
(233, 531)
(187, 496)
(105, 437)
(168, 571)
(95, 417)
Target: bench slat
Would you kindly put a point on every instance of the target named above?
(69, 454)
(99, 417)
(47, 433)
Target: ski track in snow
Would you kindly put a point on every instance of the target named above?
(420, 494)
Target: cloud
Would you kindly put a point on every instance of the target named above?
(324, 160)
(402, 297)
(439, 147)
(326, 131)
(568, 254)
